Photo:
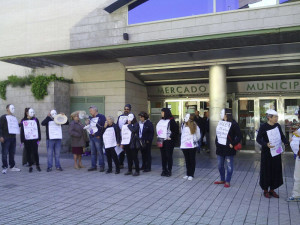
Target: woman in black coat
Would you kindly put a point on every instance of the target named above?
(146, 132)
(226, 152)
(169, 133)
(270, 167)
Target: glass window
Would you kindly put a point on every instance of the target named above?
(227, 5)
(167, 9)
(291, 122)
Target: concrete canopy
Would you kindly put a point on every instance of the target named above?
(258, 55)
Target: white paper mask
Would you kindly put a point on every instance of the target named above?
(12, 109)
(53, 113)
(31, 112)
(187, 117)
(222, 114)
(130, 117)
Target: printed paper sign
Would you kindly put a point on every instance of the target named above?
(275, 140)
(118, 150)
(12, 125)
(162, 128)
(222, 131)
(295, 144)
(187, 139)
(30, 130)
(126, 135)
(94, 121)
(55, 131)
(122, 121)
(109, 138)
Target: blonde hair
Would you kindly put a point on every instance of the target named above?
(191, 124)
(73, 114)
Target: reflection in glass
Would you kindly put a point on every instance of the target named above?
(291, 122)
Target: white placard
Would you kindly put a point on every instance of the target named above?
(295, 144)
(55, 131)
(109, 138)
(187, 139)
(222, 131)
(12, 124)
(94, 121)
(118, 150)
(162, 128)
(30, 130)
(275, 140)
(126, 135)
(122, 121)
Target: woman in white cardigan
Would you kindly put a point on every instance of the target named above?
(190, 135)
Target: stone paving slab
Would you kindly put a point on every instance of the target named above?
(82, 197)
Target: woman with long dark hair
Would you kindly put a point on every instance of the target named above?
(167, 130)
(31, 135)
(190, 136)
(225, 142)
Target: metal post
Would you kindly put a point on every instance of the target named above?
(217, 101)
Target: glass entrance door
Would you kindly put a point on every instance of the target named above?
(264, 105)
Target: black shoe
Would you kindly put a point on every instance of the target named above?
(146, 170)
(117, 172)
(121, 166)
(163, 174)
(136, 174)
(108, 171)
(142, 168)
(49, 169)
(38, 168)
(30, 169)
(128, 173)
(59, 169)
(168, 174)
(101, 169)
(92, 169)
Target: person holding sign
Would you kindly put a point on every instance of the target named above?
(96, 123)
(111, 139)
(9, 127)
(122, 119)
(228, 135)
(190, 136)
(295, 147)
(77, 134)
(129, 134)
(146, 133)
(31, 136)
(167, 130)
(53, 138)
(270, 137)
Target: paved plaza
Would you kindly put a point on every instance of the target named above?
(82, 197)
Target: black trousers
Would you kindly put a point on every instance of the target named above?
(146, 157)
(112, 155)
(190, 161)
(132, 157)
(167, 155)
(122, 158)
(31, 147)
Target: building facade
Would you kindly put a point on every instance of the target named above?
(244, 55)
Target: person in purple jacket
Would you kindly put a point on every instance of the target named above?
(96, 125)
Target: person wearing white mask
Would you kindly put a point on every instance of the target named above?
(9, 127)
(31, 136)
(53, 144)
(190, 136)
(270, 163)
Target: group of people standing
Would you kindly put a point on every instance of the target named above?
(129, 136)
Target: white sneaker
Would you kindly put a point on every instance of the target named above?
(190, 178)
(15, 169)
(185, 177)
(4, 171)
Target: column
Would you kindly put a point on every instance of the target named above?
(217, 101)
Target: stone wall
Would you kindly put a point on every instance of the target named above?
(58, 98)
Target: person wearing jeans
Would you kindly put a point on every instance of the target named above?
(225, 145)
(8, 139)
(53, 144)
(95, 126)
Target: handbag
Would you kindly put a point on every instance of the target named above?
(236, 147)
(159, 142)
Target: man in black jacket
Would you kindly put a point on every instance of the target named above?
(9, 127)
